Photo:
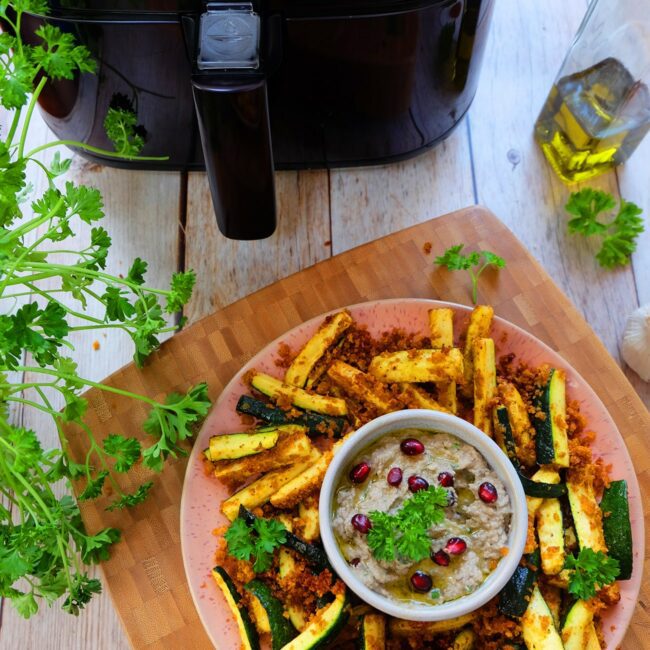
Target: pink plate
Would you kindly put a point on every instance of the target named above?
(202, 494)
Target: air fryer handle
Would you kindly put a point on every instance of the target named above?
(233, 119)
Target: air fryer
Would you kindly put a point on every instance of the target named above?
(242, 89)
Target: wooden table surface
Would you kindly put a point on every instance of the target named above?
(491, 158)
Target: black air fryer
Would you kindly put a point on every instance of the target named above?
(241, 89)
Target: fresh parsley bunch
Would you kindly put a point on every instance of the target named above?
(44, 545)
(405, 533)
(619, 234)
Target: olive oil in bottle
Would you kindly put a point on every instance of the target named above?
(593, 120)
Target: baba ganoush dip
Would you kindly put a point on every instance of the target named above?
(465, 547)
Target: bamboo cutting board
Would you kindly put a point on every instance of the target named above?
(145, 573)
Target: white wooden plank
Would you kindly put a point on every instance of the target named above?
(634, 182)
(227, 269)
(370, 202)
(634, 186)
(527, 44)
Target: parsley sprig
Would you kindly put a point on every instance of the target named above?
(590, 571)
(45, 296)
(406, 532)
(454, 260)
(619, 234)
(258, 541)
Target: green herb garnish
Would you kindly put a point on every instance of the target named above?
(591, 571)
(257, 541)
(619, 235)
(405, 533)
(50, 288)
(454, 260)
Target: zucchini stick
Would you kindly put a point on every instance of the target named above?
(260, 491)
(415, 397)
(363, 387)
(441, 326)
(519, 421)
(279, 391)
(550, 531)
(417, 366)
(292, 447)
(485, 384)
(328, 333)
(480, 322)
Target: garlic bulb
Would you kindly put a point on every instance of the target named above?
(636, 342)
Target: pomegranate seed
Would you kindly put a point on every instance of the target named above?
(411, 447)
(456, 545)
(421, 581)
(446, 479)
(359, 473)
(487, 492)
(441, 558)
(355, 561)
(417, 483)
(361, 523)
(394, 476)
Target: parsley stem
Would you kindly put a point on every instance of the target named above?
(10, 273)
(87, 382)
(72, 312)
(14, 126)
(86, 147)
(80, 270)
(94, 447)
(28, 117)
(36, 405)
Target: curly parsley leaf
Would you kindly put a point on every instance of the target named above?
(454, 260)
(590, 571)
(94, 486)
(172, 422)
(82, 591)
(137, 271)
(118, 305)
(618, 246)
(125, 451)
(122, 128)
(85, 202)
(133, 499)
(181, 290)
(58, 167)
(25, 604)
(58, 55)
(381, 537)
(95, 548)
(258, 541)
(405, 532)
(239, 540)
(585, 206)
(16, 85)
(619, 235)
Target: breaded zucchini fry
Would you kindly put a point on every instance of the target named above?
(485, 384)
(328, 333)
(406, 366)
(479, 328)
(441, 326)
(363, 387)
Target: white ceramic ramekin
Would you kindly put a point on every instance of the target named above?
(498, 461)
